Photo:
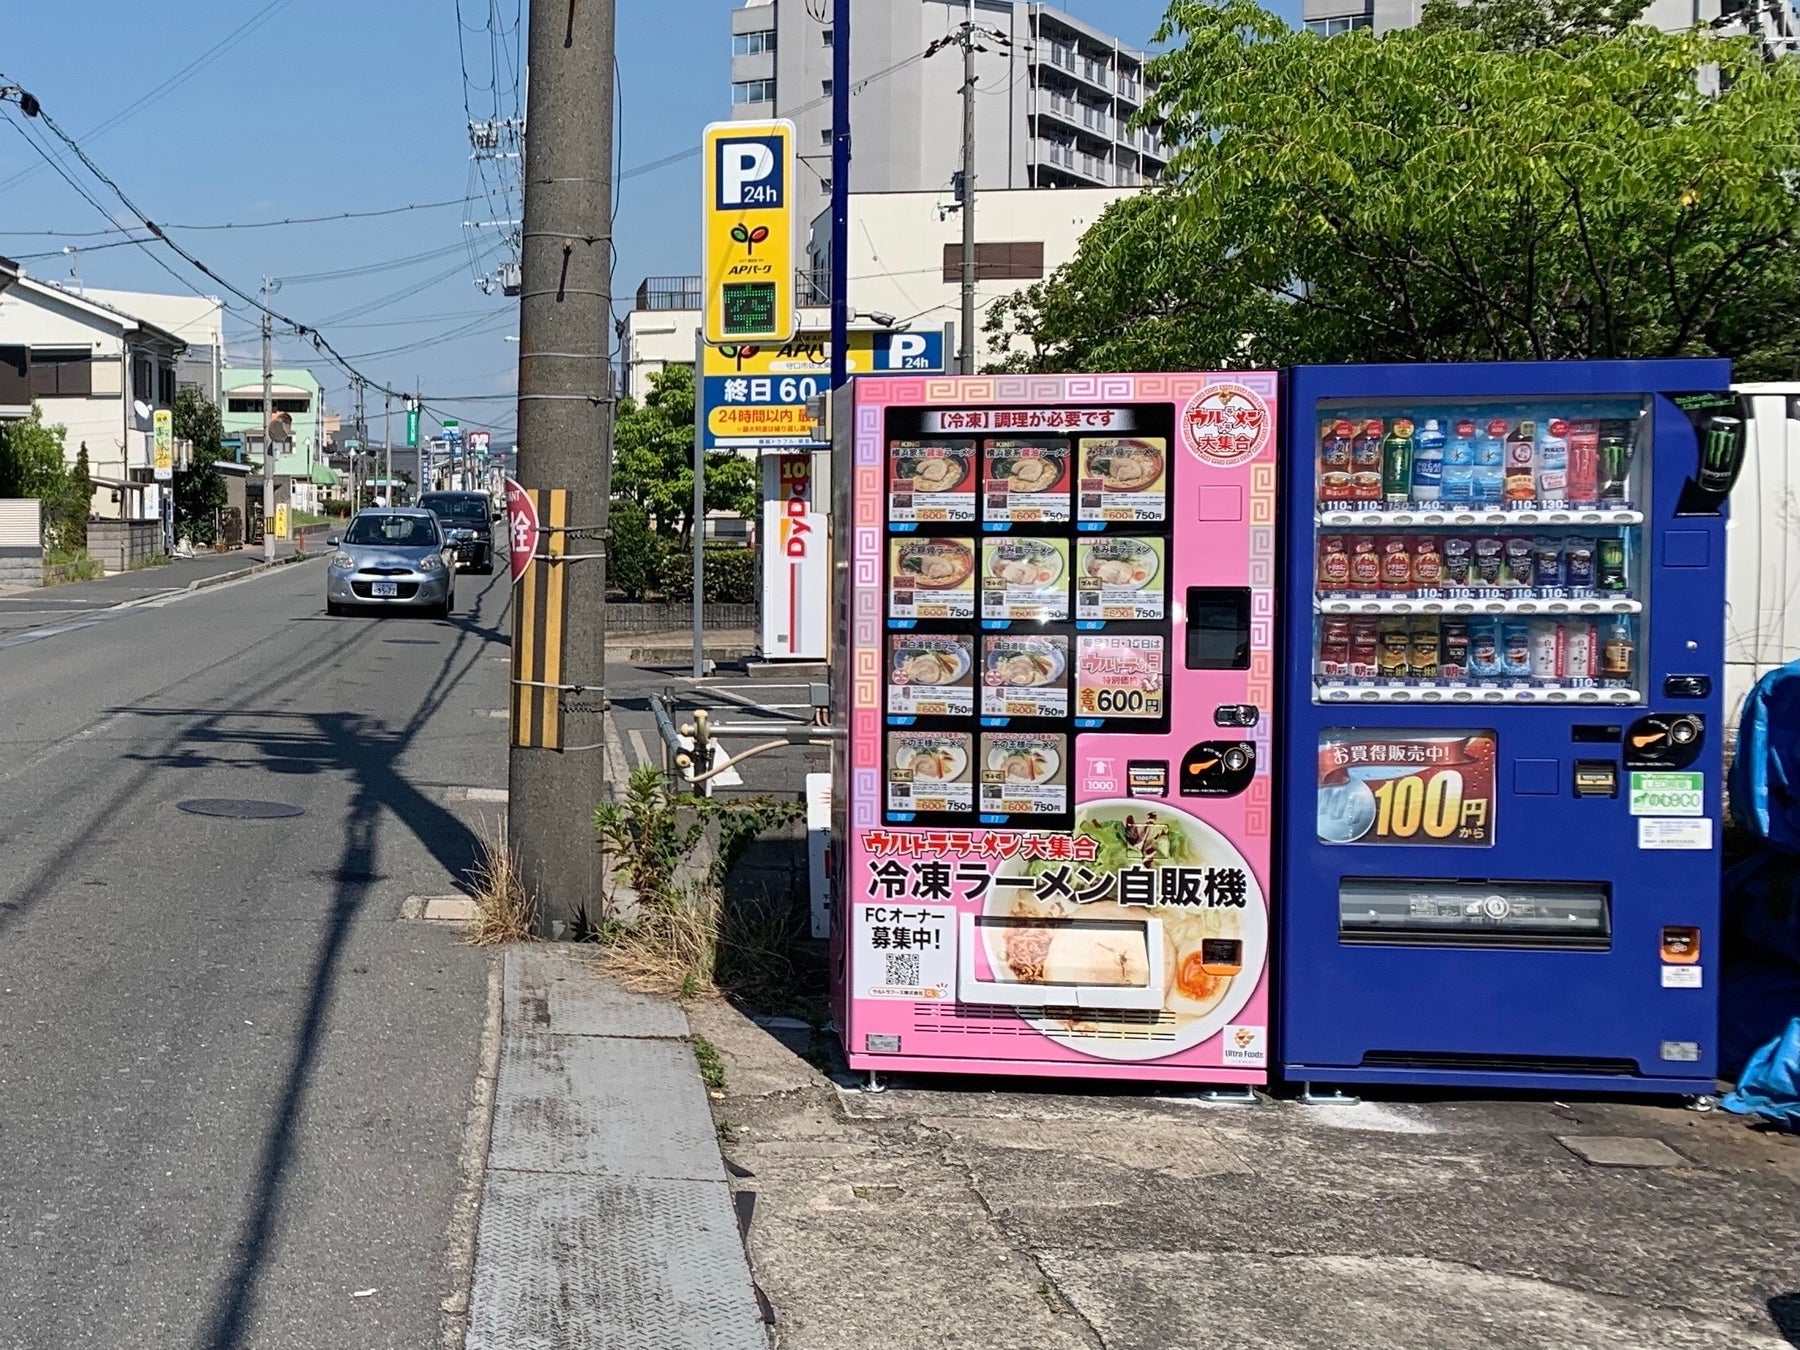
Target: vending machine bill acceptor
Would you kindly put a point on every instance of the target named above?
(1502, 727)
(1055, 660)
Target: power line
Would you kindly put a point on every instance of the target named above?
(245, 224)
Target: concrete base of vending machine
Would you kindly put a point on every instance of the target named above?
(1052, 815)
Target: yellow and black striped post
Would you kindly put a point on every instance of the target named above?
(540, 611)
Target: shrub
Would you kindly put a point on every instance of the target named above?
(730, 576)
(635, 558)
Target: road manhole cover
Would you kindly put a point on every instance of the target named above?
(238, 808)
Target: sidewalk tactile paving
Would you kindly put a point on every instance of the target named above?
(598, 1106)
(606, 1264)
(561, 983)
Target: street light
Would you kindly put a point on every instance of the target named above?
(876, 316)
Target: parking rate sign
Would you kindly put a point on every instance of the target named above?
(751, 241)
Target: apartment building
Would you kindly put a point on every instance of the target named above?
(1331, 17)
(1054, 101)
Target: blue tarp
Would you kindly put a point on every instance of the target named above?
(1770, 1084)
(1765, 776)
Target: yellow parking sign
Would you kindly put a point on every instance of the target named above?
(751, 242)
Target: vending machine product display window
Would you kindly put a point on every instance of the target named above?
(1503, 722)
(1054, 810)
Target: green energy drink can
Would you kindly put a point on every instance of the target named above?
(1615, 462)
(1721, 452)
(1609, 564)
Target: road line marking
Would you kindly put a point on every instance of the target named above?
(639, 747)
(474, 794)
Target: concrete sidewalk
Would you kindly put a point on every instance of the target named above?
(606, 1218)
(1007, 1215)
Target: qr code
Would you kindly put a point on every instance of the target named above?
(903, 968)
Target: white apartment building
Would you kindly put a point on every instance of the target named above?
(102, 374)
(1053, 102)
(1331, 17)
(905, 265)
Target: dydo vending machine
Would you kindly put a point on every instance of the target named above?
(1053, 812)
(1502, 725)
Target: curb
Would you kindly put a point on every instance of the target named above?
(243, 572)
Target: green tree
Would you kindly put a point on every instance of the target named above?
(653, 458)
(1464, 193)
(200, 489)
(1520, 25)
(33, 464)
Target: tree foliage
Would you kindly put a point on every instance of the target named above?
(33, 464)
(200, 489)
(1478, 189)
(653, 458)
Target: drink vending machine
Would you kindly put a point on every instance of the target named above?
(1053, 813)
(1502, 724)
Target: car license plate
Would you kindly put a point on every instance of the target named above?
(384, 590)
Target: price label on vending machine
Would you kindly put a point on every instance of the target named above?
(1406, 787)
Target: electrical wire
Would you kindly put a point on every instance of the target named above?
(244, 224)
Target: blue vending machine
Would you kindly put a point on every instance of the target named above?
(1504, 631)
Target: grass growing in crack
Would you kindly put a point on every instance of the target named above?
(504, 910)
(712, 1068)
(686, 939)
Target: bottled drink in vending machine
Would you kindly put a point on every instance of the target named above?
(1618, 655)
(1584, 463)
(1521, 464)
(1365, 463)
(1428, 462)
(1334, 460)
(1458, 483)
(1490, 463)
(1546, 650)
(1553, 462)
(1397, 463)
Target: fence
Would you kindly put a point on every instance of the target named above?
(117, 544)
(632, 618)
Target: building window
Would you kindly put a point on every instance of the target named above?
(753, 44)
(143, 379)
(281, 405)
(828, 87)
(165, 387)
(62, 374)
(997, 262)
(753, 91)
(825, 37)
(825, 136)
(1342, 23)
(825, 186)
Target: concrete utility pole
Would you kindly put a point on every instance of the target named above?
(968, 194)
(840, 193)
(362, 439)
(387, 446)
(268, 418)
(565, 420)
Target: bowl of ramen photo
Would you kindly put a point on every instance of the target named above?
(1123, 465)
(1121, 564)
(930, 661)
(1025, 663)
(1024, 564)
(1033, 469)
(935, 564)
(1025, 760)
(922, 758)
(931, 468)
(1213, 953)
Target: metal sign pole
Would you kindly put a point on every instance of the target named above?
(699, 506)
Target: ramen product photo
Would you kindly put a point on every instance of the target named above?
(931, 771)
(1119, 577)
(1025, 483)
(1024, 676)
(1025, 579)
(931, 578)
(1024, 773)
(1123, 479)
(931, 482)
(931, 675)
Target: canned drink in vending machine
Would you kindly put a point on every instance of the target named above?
(1365, 462)
(1581, 655)
(1515, 649)
(1396, 563)
(1490, 562)
(1334, 647)
(1459, 560)
(1424, 662)
(1427, 562)
(1547, 564)
(1334, 460)
(1334, 563)
(1578, 563)
(1365, 563)
(1453, 658)
(1546, 650)
(1519, 562)
(1584, 463)
(1395, 656)
(1485, 659)
(1365, 649)
(1609, 571)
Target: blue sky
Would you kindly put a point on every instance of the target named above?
(324, 106)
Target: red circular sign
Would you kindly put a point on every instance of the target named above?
(1227, 424)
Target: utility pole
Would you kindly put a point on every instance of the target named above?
(387, 446)
(968, 202)
(967, 36)
(362, 439)
(565, 425)
(268, 418)
(840, 194)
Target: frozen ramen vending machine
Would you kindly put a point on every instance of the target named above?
(1053, 811)
(1502, 730)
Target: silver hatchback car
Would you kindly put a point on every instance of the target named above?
(391, 558)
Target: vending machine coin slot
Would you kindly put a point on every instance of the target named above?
(1596, 778)
(1664, 742)
(1236, 715)
(1687, 686)
(1218, 769)
(1218, 628)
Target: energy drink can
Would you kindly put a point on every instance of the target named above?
(1609, 570)
(1615, 462)
(1721, 454)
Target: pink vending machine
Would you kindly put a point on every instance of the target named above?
(1051, 830)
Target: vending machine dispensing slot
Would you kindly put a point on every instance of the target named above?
(1062, 963)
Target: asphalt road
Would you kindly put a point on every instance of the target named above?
(234, 1081)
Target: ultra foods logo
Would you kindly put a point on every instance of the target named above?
(1227, 424)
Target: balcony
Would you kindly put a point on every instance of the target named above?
(1066, 157)
(669, 293)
